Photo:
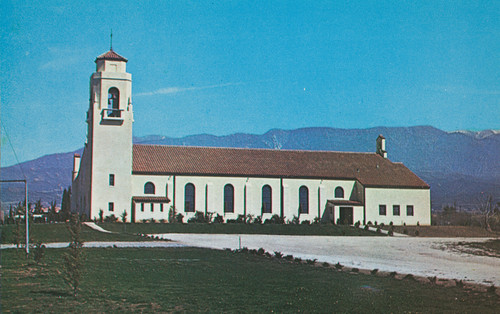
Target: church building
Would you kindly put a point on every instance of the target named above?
(113, 175)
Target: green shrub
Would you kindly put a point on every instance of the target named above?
(295, 220)
(339, 266)
(311, 261)
(390, 232)
(366, 227)
(288, 257)
(38, 252)
(305, 222)
(374, 271)
(257, 220)
(278, 254)
(261, 251)
(357, 224)
(179, 218)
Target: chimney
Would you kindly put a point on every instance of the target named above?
(381, 146)
(76, 166)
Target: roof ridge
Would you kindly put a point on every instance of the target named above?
(258, 149)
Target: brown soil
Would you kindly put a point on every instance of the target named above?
(446, 231)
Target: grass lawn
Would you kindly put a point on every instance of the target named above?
(234, 228)
(202, 280)
(59, 233)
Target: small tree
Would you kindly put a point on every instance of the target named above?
(124, 216)
(38, 252)
(52, 212)
(101, 216)
(171, 215)
(66, 205)
(487, 210)
(74, 259)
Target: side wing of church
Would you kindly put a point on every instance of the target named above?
(114, 176)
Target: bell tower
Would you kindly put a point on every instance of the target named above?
(109, 136)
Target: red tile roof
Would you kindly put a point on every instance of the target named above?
(111, 55)
(151, 199)
(369, 169)
(345, 202)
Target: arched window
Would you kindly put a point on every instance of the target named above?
(149, 188)
(113, 102)
(303, 200)
(189, 198)
(267, 206)
(339, 192)
(228, 198)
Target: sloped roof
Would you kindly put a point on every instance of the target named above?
(111, 55)
(369, 169)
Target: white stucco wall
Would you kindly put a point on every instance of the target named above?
(209, 195)
(419, 198)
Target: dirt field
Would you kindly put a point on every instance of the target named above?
(418, 256)
(446, 231)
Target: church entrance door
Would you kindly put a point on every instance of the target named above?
(346, 216)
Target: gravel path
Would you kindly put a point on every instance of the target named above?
(407, 255)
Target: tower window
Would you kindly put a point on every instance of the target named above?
(189, 197)
(149, 188)
(111, 180)
(142, 207)
(266, 199)
(111, 206)
(152, 207)
(339, 192)
(303, 200)
(228, 198)
(114, 102)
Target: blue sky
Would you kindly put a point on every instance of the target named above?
(223, 67)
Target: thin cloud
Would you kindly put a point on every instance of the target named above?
(176, 90)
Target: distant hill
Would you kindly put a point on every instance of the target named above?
(458, 165)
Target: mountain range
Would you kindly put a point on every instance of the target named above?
(458, 166)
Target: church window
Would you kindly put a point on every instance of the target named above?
(395, 210)
(303, 200)
(111, 206)
(149, 188)
(114, 102)
(189, 197)
(152, 207)
(228, 198)
(339, 192)
(382, 210)
(142, 207)
(161, 207)
(111, 180)
(409, 210)
(267, 199)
